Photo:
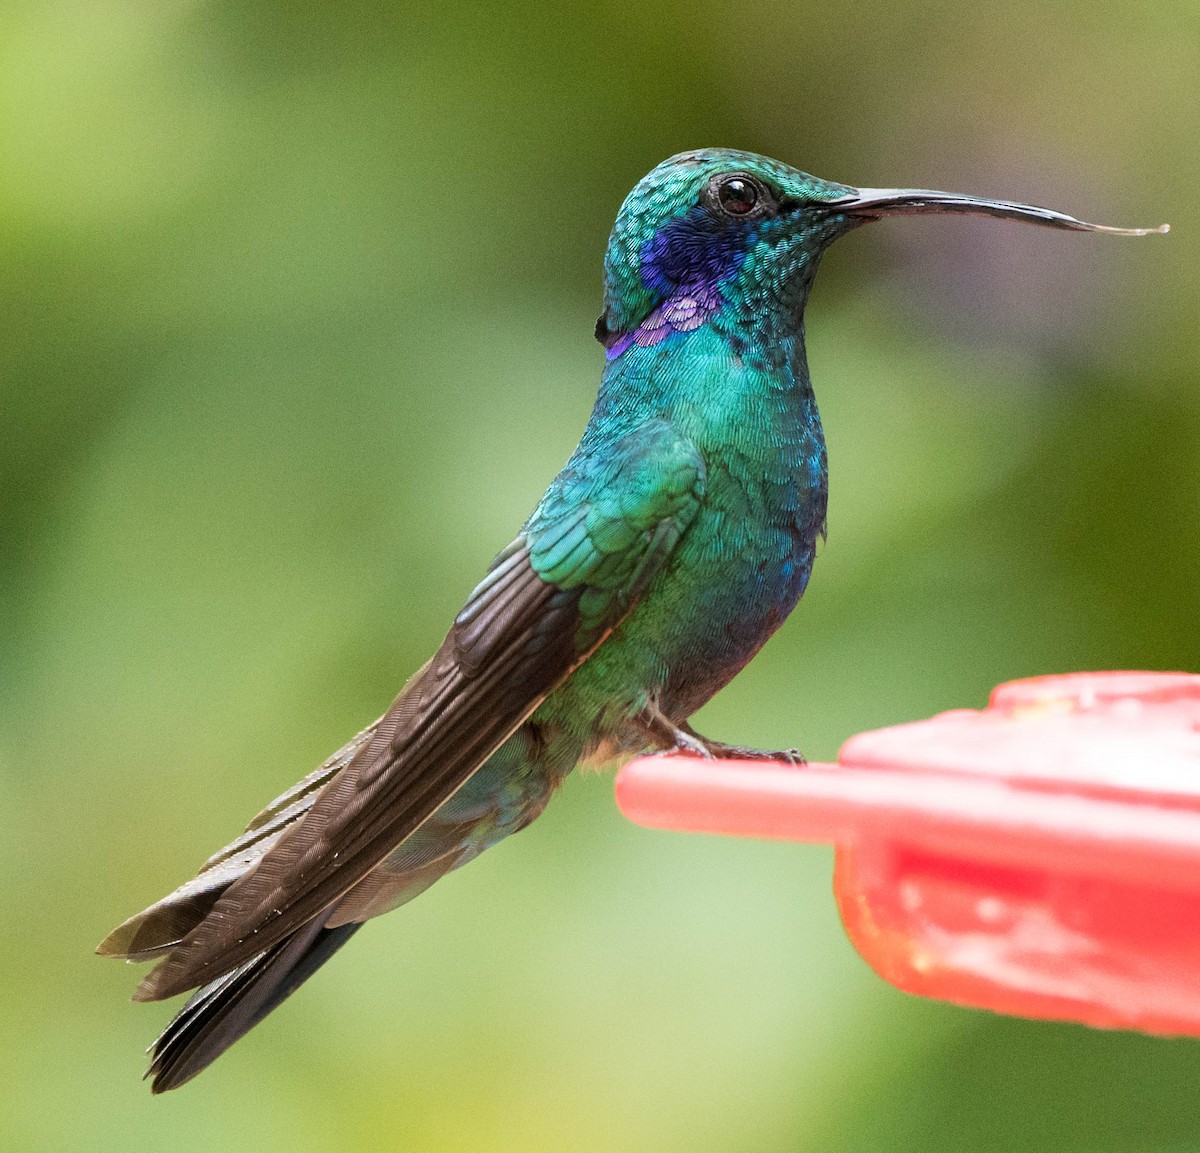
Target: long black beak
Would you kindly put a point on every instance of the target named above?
(873, 203)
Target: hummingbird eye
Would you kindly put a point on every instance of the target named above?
(737, 196)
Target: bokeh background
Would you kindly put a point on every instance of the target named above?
(296, 305)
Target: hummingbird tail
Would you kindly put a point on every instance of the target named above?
(224, 1010)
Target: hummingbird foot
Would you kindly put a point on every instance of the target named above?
(723, 752)
(683, 740)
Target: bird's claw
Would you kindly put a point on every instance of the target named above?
(683, 741)
(741, 753)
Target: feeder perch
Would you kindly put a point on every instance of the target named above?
(1040, 857)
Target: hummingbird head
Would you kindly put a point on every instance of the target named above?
(694, 233)
(717, 232)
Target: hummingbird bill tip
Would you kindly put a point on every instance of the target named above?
(1161, 230)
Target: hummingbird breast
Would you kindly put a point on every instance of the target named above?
(743, 563)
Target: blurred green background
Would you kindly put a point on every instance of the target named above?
(296, 305)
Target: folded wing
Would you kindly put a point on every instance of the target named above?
(550, 599)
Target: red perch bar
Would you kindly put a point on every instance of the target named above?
(1040, 857)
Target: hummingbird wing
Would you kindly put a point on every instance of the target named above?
(584, 558)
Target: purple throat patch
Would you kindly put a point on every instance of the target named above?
(685, 311)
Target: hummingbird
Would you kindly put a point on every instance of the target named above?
(677, 538)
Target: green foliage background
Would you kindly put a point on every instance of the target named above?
(296, 306)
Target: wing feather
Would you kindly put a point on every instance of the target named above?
(164, 924)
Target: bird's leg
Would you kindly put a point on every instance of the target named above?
(671, 737)
(683, 739)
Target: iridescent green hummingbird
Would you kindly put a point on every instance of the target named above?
(675, 541)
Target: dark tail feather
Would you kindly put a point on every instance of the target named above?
(226, 1009)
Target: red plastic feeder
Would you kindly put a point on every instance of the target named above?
(1040, 857)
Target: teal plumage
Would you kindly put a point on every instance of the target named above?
(676, 539)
